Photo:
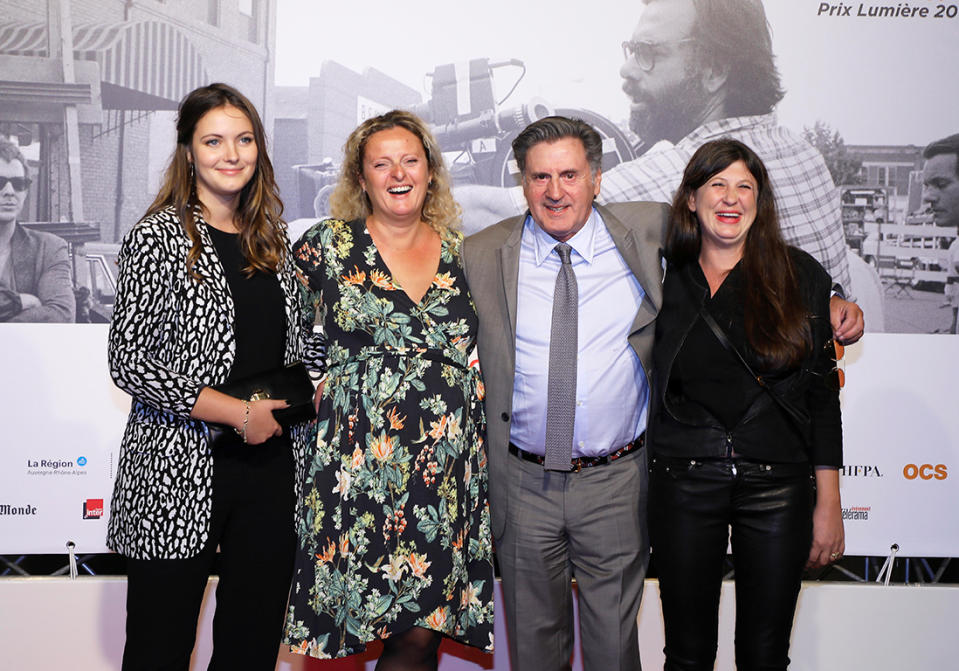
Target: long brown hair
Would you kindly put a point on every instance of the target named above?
(349, 201)
(259, 210)
(777, 327)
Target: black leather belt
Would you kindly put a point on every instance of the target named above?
(579, 463)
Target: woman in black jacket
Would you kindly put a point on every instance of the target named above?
(745, 429)
(207, 294)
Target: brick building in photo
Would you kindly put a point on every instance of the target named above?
(132, 62)
(312, 124)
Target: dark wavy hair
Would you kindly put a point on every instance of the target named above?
(777, 327)
(10, 152)
(259, 211)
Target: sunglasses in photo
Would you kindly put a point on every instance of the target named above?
(835, 377)
(18, 183)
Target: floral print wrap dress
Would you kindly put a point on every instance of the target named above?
(394, 528)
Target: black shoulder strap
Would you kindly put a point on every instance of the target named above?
(797, 414)
(724, 341)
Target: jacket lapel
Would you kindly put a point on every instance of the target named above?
(210, 270)
(509, 272)
(24, 257)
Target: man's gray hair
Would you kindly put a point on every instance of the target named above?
(553, 128)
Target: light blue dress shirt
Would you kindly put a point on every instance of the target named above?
(611, 389)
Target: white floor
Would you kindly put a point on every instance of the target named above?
(55, 623)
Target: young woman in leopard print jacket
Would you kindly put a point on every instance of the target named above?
(206, 294)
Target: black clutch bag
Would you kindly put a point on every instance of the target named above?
(290, 383)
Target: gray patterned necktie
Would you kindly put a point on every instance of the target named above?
(561, 395)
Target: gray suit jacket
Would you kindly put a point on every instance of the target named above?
(491, 261)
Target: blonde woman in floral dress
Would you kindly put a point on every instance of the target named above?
(394, 529)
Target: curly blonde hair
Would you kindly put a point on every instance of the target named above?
(349, 201)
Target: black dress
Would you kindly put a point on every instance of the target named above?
(395, 530)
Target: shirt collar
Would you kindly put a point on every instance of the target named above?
(583, 243)
(721, 127)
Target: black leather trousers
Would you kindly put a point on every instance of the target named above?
(693, 504)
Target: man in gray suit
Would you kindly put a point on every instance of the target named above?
(586, 518)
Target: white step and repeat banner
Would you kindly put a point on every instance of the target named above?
(65, 420)
(867, 84)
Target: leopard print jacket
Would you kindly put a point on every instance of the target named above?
(171, 336)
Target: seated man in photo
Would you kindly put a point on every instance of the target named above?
(35, 283)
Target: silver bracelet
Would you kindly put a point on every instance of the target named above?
(246, 420)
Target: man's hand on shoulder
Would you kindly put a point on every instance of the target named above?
(848, 323)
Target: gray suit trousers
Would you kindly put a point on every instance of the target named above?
(590, 525)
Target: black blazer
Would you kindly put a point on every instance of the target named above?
(765, 432)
